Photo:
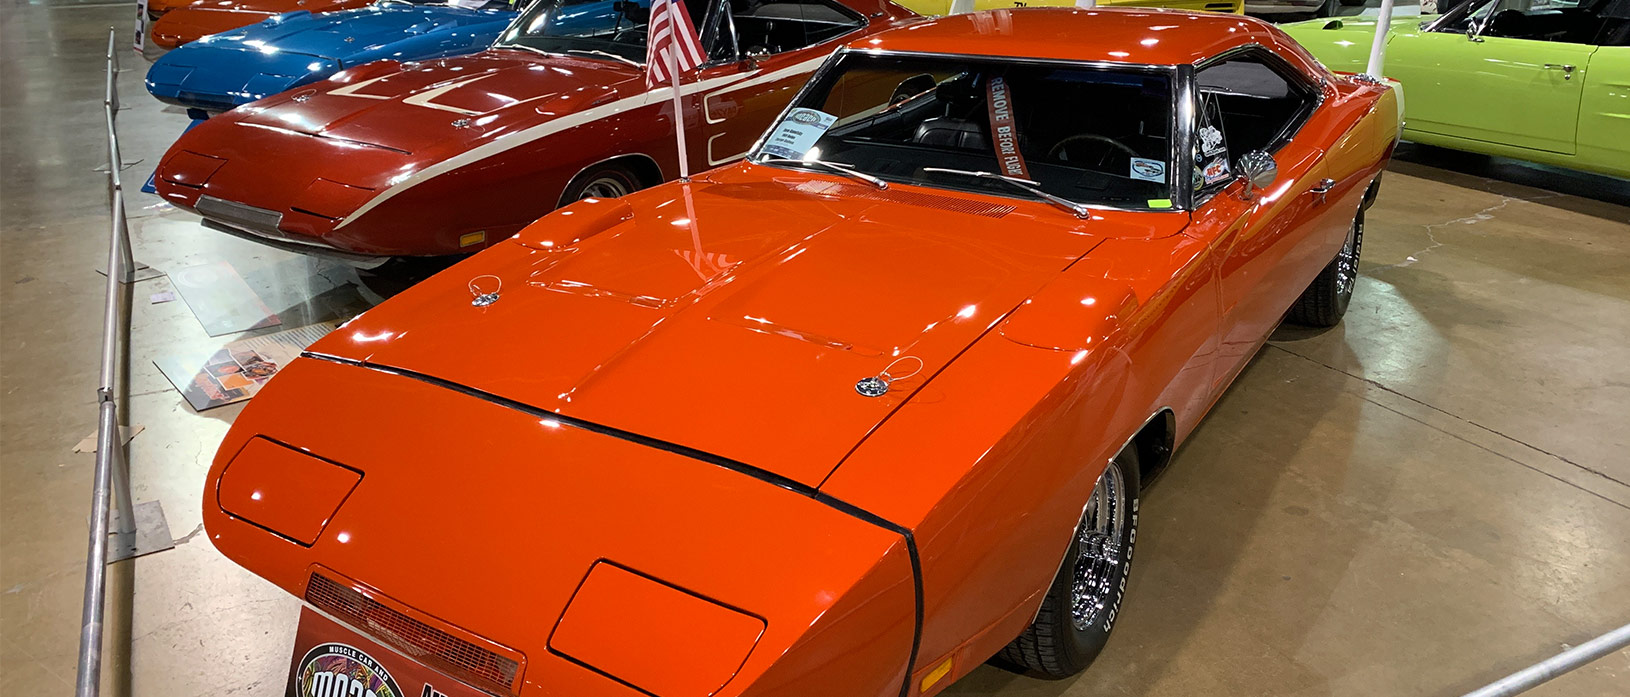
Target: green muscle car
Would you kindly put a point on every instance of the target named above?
(1540, 80)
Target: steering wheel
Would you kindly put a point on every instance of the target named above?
(1058, 149)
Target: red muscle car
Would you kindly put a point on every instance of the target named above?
(845, 419)
(451, 156)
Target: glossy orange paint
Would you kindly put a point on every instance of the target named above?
(280, 488)
(666, 382)
(177, 23)
(689, 645)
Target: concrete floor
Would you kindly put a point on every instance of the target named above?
(1414, 503)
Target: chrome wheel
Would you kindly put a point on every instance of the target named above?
(1347, 260)
(605, 186)
(1099, 552)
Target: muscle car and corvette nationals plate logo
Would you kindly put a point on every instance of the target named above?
(340, 670)
(331, 660)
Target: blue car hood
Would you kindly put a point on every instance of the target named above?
(236, 67)
(339, 35)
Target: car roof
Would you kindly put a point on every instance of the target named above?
(1119, 35)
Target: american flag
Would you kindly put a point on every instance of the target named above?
(664, 33)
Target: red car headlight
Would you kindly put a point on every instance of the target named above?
(330, 199)
(284, 490)
(189, 169)
(691, 647)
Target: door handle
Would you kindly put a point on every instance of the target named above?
(1323, 187)
(1567, 69)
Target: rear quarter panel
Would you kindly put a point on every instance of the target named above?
(1604, 113)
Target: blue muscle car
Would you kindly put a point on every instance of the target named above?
(221, 71)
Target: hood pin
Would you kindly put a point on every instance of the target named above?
(482, 298)
(878, 385)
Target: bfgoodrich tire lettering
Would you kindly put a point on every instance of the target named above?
(1084, 600)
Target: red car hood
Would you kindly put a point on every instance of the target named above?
(717, 315)
(438, 108)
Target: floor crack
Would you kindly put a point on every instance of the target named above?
(1474, 424)
(1431, 229)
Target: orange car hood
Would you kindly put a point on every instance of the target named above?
(733, 316)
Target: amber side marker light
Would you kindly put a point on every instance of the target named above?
(288, 492)
(470, 239)
(936, 675)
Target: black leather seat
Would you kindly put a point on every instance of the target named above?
(944, 131)
(954, 129)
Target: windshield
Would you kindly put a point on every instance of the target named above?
(612, 26)
(1085, 134)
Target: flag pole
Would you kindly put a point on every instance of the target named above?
(671, 51)
(1378, 47)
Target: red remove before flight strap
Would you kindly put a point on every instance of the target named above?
(1004, 135)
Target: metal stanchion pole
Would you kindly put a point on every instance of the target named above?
(1532, 676)
(88, 681)
(111, 480)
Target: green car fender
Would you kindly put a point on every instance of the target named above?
(1579, 119)
(1343, 45)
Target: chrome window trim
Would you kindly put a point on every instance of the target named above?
(1174, 71)
(1186, 114)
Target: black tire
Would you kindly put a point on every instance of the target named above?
(1056, 645)
(601, 181)
(1352, 3)
(1326, 299)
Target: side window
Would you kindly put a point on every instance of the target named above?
(765, 27)
(1563, 21)
(1257, 105)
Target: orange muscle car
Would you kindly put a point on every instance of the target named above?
(177, 22)
(845, 419)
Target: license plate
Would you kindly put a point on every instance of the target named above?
(331, 660)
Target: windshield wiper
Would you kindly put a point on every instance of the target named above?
(606, 54)
(1027, 185)
(833, 167)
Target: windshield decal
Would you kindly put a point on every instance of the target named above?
(1217, 170)
(796, 134)
(1003, 132)
(1148, 170)
(1211, 141)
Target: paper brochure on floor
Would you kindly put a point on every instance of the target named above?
(237, 371)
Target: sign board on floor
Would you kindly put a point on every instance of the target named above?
(237, 371)
(141, 26)
(221, 300)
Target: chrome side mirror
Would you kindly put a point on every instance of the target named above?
(1258, 169)
(756, 54)
(1471, 33)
